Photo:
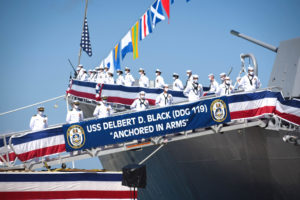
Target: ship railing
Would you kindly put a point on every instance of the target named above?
(20, 133)
(133, 145)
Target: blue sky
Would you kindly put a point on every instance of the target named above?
(38, 37)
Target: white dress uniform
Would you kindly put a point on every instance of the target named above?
(249, 83)
(214, 86)
(94, 78)
(78, 77)
(102, 111)
(106, 76)
(84, 77)
(100, 77)
(164, 99)
(159, 82)
(129, 80)
(189, 81)
(177, 85)
(144, 81)
(140, 104)
(90, 78)
(110, 80)
(225, 89)
(74, 116)
(80, 73)
(193, 91)
(120, 80)
(38, 122)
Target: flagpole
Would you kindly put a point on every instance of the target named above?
(85, 11)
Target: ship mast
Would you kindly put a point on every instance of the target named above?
(85, 11)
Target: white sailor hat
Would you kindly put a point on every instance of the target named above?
(90, 70)
(41, 108)
(84, 70)
(127, 69)
(188, 71)
(211, 74)
(93, 71)
(97, 68)
(78, 68)
(142, 92)
(141, 69)
(227, 78)
(166, 85)
(175, 74)
(101, 67)
(250, 68)
(158, 70)
(195, 76)
(223, 74)
(76, 102)
(80, 65)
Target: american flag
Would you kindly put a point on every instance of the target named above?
(85, 39)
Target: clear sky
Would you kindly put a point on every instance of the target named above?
(38, 37)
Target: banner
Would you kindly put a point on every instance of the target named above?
(39, 144)
(119, 93)
(63, 185)
(241, 106)
(146, 124)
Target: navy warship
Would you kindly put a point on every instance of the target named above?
(247, 162)
(254, 155)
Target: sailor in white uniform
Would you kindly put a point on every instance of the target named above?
(90, 75)
(250, 81)
(39, 121)
(106, 75)
(93, 76)
(194, 91)
(141, 103)
(84, 76)
(226, 87)
(222, 77)
(77, 73)
(144, 80)
(159, 80)
(100, 75)
(80, 71)
(214, 86)
(74, 115)
(97, 69)
(110, 78)
(128, 79)
(177, 83)
(190, 77)
(120, 80)
(237, 83)
(102, 110)
(164, 99)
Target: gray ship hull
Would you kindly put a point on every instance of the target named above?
(252, 163)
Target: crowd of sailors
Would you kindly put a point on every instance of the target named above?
(192, 89)
(103, 75)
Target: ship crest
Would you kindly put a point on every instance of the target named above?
(218, 110)
(76, 136)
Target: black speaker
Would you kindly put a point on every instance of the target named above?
(134, 176)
